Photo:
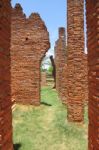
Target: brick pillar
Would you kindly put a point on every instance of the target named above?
(75, 75)
(85, 79)
(57, 65)
(60, 61)
(93, 62)
(5, 91)
(43, 79)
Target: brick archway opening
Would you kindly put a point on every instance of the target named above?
(48, 71)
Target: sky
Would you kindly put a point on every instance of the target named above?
(53, 12)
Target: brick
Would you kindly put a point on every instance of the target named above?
(61, 66)
(29, 43)
(43, 79)
(75, 64)
(93, 63)
(85, 79)
(5, 77)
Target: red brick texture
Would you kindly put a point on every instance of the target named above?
(29, 43)
(85, 79)
(43, 79)
(5, 77)
(60, 63)
(75, 65)
(93, 62)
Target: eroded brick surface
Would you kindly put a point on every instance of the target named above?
(85, 79)
(75, 65)
(29, 43)
(61, 66)
(5, 77)
(43, 79)
(93, 62)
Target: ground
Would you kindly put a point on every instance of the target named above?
(46, 128)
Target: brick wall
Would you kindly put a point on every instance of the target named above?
(63, 81)
(43, 79)
(29, 43)
(60, 62)
(56, 51)
(75, 65)
(85, 79)
(93, 62)
(5, 78)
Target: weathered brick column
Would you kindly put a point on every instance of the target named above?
(75, 41)
(93, 62)
(43, 79)
(56, 51)
(64, 85)
(85, 79)
(60, 61)
(29, 43)
(5, 77)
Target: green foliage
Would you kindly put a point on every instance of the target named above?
(50, 69)
(43, 69)
(45, 63)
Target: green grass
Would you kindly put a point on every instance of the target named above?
(46, 128)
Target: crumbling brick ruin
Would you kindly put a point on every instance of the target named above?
(60, 61)
(27, 50)
(75, 63)
(85, 79)
(53, 69)
(93, 62)
(29, 43)
(43, 79)
(5, 77)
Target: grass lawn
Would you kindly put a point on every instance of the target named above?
(46, 128)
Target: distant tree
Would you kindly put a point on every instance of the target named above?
(50, 69)
(45, 63)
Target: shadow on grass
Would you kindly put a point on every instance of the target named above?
(17, 146)
(46, 104)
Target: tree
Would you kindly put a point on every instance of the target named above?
(45, 64)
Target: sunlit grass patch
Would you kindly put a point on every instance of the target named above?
(46, 128)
